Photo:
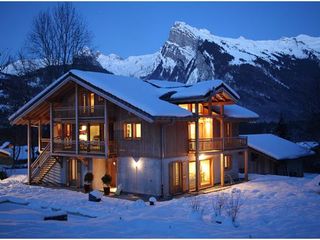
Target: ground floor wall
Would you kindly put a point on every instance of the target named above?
(152, 176)
(262, 164)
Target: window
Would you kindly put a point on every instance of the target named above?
(92, 102)
(132, 130)
(205, 173)
(228, 130)
(227, 162)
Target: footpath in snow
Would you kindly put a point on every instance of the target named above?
(273, 207)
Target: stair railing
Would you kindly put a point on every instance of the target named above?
(41, 159)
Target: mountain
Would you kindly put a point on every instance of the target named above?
(273, 77)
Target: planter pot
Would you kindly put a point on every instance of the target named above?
(87, 188)
(106, 190)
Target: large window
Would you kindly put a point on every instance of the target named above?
(227, 162)
(132, 130)
(205, 173)
(205, 128)
(91, 137)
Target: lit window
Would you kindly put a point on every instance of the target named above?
(205, 173)
(132, 130)
(138, 130)
(83, 133)
(227, 162)
(228, 130)
(92, 102)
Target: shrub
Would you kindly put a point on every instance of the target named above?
(195, 204)
(3, 175)
(218, 203)
(88, 177)
(106, 179)
(234, 203)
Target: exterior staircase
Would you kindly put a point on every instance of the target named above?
(42, 166)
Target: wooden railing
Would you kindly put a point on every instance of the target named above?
(64, 112)
(43, 143)
(218, 144)
(87, 111)
(38, 163)
(91, 111)
(87, 147)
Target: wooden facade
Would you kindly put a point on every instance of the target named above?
(87, 127)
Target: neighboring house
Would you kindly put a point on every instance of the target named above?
(311, 163)
(270, 154)
(153, 137)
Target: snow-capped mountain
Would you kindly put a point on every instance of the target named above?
(272, 76)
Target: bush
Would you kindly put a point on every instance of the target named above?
(88, 177)
(3, 175)
(195, 204)
(218, 203)
(106, 179)
(234, 203)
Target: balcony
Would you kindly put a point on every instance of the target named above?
(83, 112)
(85, 147)
(64, 112)
(218, 144)
(91, 111)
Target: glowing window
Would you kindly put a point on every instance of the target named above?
(92, 102)
(227, 162)
(132, 130)
(205, 172)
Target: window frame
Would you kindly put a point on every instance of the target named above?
(227, 163)
(133, 130)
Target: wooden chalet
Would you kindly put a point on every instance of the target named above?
(153, 137)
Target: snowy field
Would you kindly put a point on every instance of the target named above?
(273, 206)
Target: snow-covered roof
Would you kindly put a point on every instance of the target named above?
(236, 111)
(165, 84)
(201, 89)
(135, 92)
(4, 152)
(309, 144)
(276, 147)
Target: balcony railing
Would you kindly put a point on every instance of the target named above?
(87, 111)
(64, 112)
(218, 144)
(91, 111)
(85, 147)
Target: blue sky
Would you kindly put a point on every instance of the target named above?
(135, 28)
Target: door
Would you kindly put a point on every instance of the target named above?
(112, 170)
(74, 173)
(178, 177)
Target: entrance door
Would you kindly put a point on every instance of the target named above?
(178, 174)
(74, 173)
(112, 170)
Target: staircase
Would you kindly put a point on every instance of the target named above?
(42, 166)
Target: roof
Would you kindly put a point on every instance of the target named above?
(4, 153)
(309, 144)
(132, 91)
(236, 111)
(165, 84)
(276, 147)
(201, 89)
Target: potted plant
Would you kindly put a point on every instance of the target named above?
(106, 179)
(88, 178)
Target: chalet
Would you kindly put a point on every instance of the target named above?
(270, 154)
(153, 137)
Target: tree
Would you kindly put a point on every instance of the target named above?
(58, 35)
(5, 59)
(281, 129)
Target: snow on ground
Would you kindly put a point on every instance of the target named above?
(274, 206)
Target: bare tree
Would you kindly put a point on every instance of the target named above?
(5, 59)
(58, 34)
